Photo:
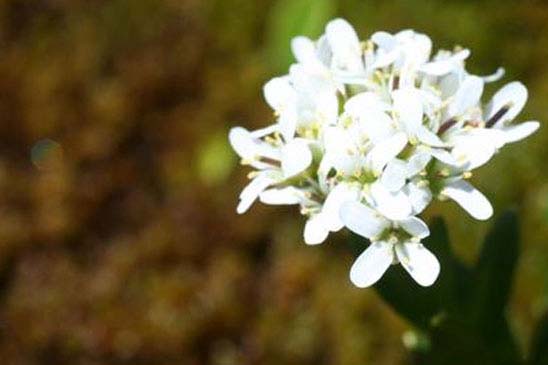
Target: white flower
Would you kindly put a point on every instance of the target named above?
(274, 163)
(367, 133)
(392, 241)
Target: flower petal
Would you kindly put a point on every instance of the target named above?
(296, 157)
(417, 162)
(394, 206)
(512, 96)
(362, 220)
(467, 96)
(260, 133)
(335, 199)
(415, 227)
(495, 76)
(416, 48)
(323, 50)
(384, 58)
(376, 125)
(285, 196)
(282, 97)
(472, 151)
(384, 40)
(419, 262)
(315, 231)
(278, 92)
(469, 198)
(394, 175)
(520, 131)
(251, 192)
(443, 156)
(303, 49)
(248, 147)
(344, 43)
(408, 106)
(419, 196)
(242, 142)
(372, 264)
(362, 103)
(444, 66)
(429, 138)
(385, 151)
(387, 51)
(341, 35)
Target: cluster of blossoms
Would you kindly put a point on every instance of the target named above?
(367, 134)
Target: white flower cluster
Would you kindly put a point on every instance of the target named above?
(366, 134)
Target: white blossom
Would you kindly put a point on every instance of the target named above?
(365, 134)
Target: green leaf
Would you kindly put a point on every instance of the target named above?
(495, 270)
(290, 18)
(493, 276)
(538, 355)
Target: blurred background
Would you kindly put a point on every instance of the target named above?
(119, 241)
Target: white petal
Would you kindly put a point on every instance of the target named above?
(282, 97)
(335, 199)
(520, 131)
(385, 151)
(383, 58)
(419, 196)
(444, 156)
(285, 196)
(449, 84)
(415, 227)
(469, 198)
(377, 125)
(362, 103)
(419, 262)
(429, 138)
(303, 49)
(278, 92)
(496, 76)
(296, 157)
(372, 264)
(384, 40)
(260, 133)
(248, 147)
(315, 231)
(442, 67)
(323, 50)
(344, 164)
(342, 38)
(362, 220)
(287, 123)
(387, 51)
(474, 151)
(467, 96)
(395, 206)
(339, 32)
(335, 139)
(251, 192)
(408, 106)
(417, 162)
(242, 142)
(512, 95)
(416, 47)
(394, 175)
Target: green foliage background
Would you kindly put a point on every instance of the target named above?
(119, 242)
